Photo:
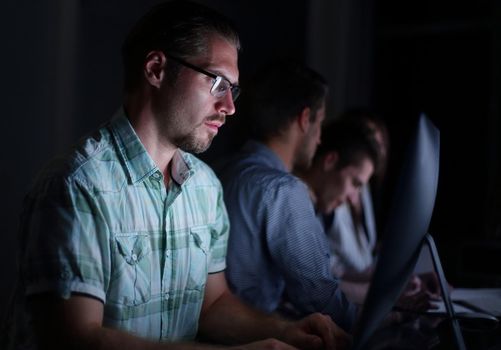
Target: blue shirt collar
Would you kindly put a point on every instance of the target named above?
(264, 154)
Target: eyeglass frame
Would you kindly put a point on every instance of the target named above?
(234, 89)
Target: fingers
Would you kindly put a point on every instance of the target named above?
(310, 341)
(268, 344)
(431, 282)
(310, 333)
(413, 286)
(333, 337)
(325, 328)
(317, 331)
(420, 301)
(274, 344)
(424, 301)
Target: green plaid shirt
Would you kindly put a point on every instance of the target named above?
(102, 223)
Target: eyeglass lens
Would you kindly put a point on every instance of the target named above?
(222, 86)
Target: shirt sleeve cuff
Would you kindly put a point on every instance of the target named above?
(65, 290)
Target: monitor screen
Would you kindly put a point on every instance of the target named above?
(409, 217)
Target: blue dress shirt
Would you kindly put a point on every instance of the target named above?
(277, 247)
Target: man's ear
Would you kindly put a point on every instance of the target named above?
(154, 68)
(330, 160)
(304, 119)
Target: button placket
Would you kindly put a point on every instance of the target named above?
(156, 179)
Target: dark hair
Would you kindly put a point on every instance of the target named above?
(368, 118)
(372, 120)
(278, 93)
(178, 28)
(351, 141)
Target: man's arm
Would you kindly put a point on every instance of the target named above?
(227, 320)
(76, 323)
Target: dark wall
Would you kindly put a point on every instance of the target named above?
(443, 59)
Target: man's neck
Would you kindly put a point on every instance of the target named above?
(309, 179)
(158, 148)
(284, 149)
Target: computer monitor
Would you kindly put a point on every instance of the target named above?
(409, 217)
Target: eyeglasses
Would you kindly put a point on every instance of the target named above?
(220, 85)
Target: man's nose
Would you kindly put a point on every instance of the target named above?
(226, 104)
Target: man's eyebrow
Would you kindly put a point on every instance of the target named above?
(221, 74)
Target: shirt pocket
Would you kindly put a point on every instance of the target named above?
(199, 243)
(132, 280)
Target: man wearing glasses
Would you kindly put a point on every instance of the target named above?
(124, 240)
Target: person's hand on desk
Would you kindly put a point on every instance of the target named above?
(419, 294)
(430, 283)
(316, 331)
(417, 302)
(264, 345)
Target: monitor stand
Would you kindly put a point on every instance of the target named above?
(444, 287)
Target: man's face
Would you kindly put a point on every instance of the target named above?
(187, 114)
(311, 141)
(339, 184)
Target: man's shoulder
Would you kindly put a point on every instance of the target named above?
(92, 162)
(246, 171)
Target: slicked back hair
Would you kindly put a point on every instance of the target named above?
(177, 28)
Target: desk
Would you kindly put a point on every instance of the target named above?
(430, 332)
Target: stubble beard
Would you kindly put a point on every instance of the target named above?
(193, 143)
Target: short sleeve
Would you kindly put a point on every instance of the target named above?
(65, 240)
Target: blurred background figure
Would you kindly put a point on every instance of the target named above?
(352, 155)
(353, 230)
(342, 167)
(277, 247)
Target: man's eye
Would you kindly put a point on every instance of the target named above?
(223, 86)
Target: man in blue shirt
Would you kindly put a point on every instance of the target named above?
(277, 247)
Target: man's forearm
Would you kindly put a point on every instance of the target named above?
(110, 339)
(230, 321)
(113, 339)
(101, 338)
(75, 323)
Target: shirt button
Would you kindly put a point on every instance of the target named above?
(134, 257)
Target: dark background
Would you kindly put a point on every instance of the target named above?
(61, 77)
